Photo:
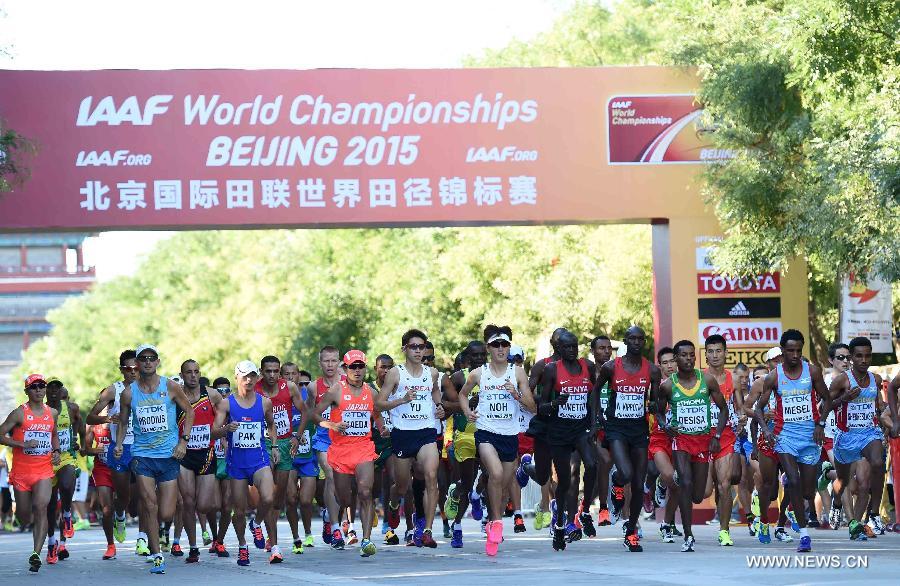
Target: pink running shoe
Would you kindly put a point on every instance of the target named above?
(494, 537)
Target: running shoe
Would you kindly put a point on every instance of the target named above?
(554, 513)
(176, 550)
(660, 495)
(68, 529)
(805, 544)
(367, 548)
(408, 538)
(119, 529)
(866, 529)
(275, 557)
(521, 475)
(603, 518)
(494, 537)
(337, 539)
(633, 543)
(811, 520)
(193, 556)
(164, 539)
(393, 516)
(298, 547)
(221, 551)
(63, 552)
(390, 538)
(834, 518)
(259, 540)
(207, 538)
(418, 530)
(268, 547)
(352, 539)
(725, 538)
(428, 539)
(675, 531)
(34, 562)
(559, 538)
(345, 527)
(823, 481)
(573, 533)
(587, 522)
(617, 495)
(243, 556)
(625, 526)
(648, 501)
(456, 541)
(447, 532)
(860, 537)
(326, 532)
(665, 533)
(782, 535)
(477, 511)
(159, 565)
(384, 526)
(53, 553)
(110, 553)
(82, 524)
(451, 505)
(751, 525)
(688, 544)
(309, 541)
(754, 504)
(877, 525)
(518, 523)
(855, 528)
(795, 526)
(762, 533)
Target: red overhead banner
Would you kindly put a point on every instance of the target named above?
(208, 148)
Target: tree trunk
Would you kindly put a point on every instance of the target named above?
(820, 345)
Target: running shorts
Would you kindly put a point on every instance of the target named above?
(507, 446)
(763, 448)
(744, 447)
(200, 462)
(345, 458)
(660, 442)
(407, 443)
(697, 446)
(463, 446)
(245, 472)
(828, 445)
(801, 446)
(25, 481)
(848, 445)
(635, 435)
(306, 468)
(526, 444)
(726, 444)
(221, 469)
(122, 464)
(101, 474)
(285, 459)
(159, 469)
(65, 459)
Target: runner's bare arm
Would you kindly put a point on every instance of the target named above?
(436, 395)
(220, 428)
(390, 385)
(525, 397)
(537, 372)
(768, 387)
(13, 419)
(821, 390)
(547, 406)
(124, 415)
(715, 393)
(106, 398)
(450, 397)
(331, 399)
(662, 404)
(463, 397)
(176, 393)
(77, 423)
(299, 405)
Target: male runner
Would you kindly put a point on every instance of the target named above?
(109, 399)
(352, 453)
(31, 431)
(632, 379)
(412, 395)
(150, 403)
(384, 463)
(799, 424)
(102, 477)
(691, 394)
(602, 351)
(569, 401)
(725, 471)
(503, 392)
(329, 360)
(286, 398)
(305, 468)
(219, 526)
(249, 417)
(197, 474)
(856, 397)
(659, 454)
(70, 429)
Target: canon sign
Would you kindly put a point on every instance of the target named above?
(713, 284)
(743, 333)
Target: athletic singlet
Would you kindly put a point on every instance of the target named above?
(419, 413)
(628, 393)
(204, 417)
(102, 436)
(246, 446)
(498, 410)
(578, 387)
(321, 389)
(155, 424)
(385, 415)
(38, 427)
(282, 407)
(795, 401)
(859, 413)
(691, 410)
(461, 424)
(356, 412)
(114, 409)
(64, 428)
(727, 389)
(304, 450)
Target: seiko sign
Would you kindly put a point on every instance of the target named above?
(742, 333)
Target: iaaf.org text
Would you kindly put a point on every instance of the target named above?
(794, 562)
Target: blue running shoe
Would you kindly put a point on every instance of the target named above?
(553, 513)
(159, 566)
(456, 541)
(477, 511)
(805, 544)
(762, 532)
(521, 475)
(795, 527)
(573, 533)
(419, 530)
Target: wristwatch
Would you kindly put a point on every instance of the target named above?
(821, 424)
(186, 438)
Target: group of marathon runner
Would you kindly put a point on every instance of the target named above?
(622, 432)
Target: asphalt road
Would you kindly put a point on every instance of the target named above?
(524, 559)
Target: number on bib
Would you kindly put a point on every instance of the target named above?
(282, 423)
(796, 408)
(44, 444)
(200, 437)
(65, 440)
(629, 405)
(248, 435)
(861, 414)
(153, 418)
(358, 423)
(575, 407)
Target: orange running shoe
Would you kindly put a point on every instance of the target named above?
(68, 528)
(603, 518)
(110, 552)
(53, 553)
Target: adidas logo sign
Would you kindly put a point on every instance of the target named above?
(739, 310)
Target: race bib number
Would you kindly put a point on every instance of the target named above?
(359, 423)
(629, 405)
(44, 443)
(220, 449)
(129, 433)
(65, 440)
(796, 408)
(386, 418)
(305, 447)
(419, 409)
(282, 423)
(153, 418)
(575, 407)
(498, 407)
(860, 415)
(248, 435)
(693, 419)
(200, 437)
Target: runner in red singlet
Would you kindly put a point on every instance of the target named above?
(329, 360)
(97, 440)
(661, 468)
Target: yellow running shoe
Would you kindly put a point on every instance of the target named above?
(725, 538)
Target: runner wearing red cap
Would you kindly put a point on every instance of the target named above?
(97, 439)
(352, 452)
(31, 431)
